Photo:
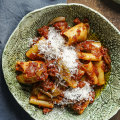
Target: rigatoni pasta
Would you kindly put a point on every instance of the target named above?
(77, 33)
(89, 68)
(88, 56)
(99, 66)
(35, 101)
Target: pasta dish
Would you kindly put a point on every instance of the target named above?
(64, 67)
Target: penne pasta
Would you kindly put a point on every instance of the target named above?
(77, 33)
(88, 56)
(89, 68)
(35, 101)
(100, 72)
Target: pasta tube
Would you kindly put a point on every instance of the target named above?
(88, 56)
(96, 44)
(37, 90)
(23, 66)
(55, 91)
(43, 97)
(65, 73)
(100, 72)
(35, 101)
(77, 33)
(33, 71)
(32, 53)
(24, 79)
(89, 68)
(46, 93)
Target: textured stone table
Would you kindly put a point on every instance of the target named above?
(111, 11)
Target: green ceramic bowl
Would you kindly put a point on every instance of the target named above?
(107, 104)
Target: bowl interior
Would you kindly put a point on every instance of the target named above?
(107, 103)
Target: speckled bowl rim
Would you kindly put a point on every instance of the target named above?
(67, 4)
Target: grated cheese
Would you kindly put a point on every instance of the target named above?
(32, 41)
(77, 94)
(54, 48)
(69, 58)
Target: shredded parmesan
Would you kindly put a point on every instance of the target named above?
(32, 41)
(54, 48)
(69, 58)
(77, 94)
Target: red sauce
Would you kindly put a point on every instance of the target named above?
(93, 97)
(52, 68)
(28, 81)
(21, 63)
(43, 31)
(46, 110)
(89, 48)
(76, 21)
(62, 32)
(87, 25)
(96, 71)
(19, 67)
(103, 66)
(81, 84)
(33, 71)
(84, 27)
(80, 106)
(80, 72)
(85, 20)
(61, 25)
(84, 46)
(44, 74)
(74, 38)
(47, 85)
(96, 52)
(78, 32)
(106, 58)
(34, 56)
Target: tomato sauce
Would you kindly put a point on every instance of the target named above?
(46, 110)
(76, 21)
(60, 25)
(43, 31)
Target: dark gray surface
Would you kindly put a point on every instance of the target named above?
(11, 12)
